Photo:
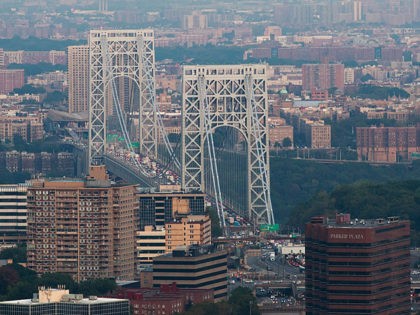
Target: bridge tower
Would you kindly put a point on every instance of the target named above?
(115, 54)
(233, 96)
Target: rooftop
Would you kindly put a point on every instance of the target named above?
(97, 300)
(343, 220)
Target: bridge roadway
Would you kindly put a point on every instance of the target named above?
(126, 171)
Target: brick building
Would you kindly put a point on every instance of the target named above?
(11, 79)
(167, 299)
(322, 76)
(84, 228)
(387, 144)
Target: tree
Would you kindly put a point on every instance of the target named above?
(29, 89)
(216, 230)
(367, 77)
(18, 254)
(242, 301)
(287, 143)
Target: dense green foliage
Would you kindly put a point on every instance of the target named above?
(378, 92)
(55, 97)
(296, 181)
(12, 178)
(18, 254)
(365, 200)
(33, 69)
(202, 54)
(216, 230)
(17, 282)
(48, 145)
(37, 44)
(240, 302)
(29, 89)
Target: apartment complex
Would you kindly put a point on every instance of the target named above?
(387, 144)
(199, 267)
(84, 228)
(322, 76)
(29, 128)
(61, 302)
(13, 213)
(78, 78)
(357, 266)
(58, 164)
(11, 79)
(318, 135)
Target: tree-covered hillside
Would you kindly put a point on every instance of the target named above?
(296, 181)
(365, 200)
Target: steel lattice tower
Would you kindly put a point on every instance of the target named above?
(114, 54)
(234, 96)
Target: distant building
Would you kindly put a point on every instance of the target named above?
(318, 135)
(194, 21)
(193, 267)
(322, 76)
(29, 128)
(61, 302)
(357, 266)
(84, 228)
(13, 161)
(1, 58)
(13, 213)
(28, 162)
(78, 78)
(278, 131)
(387, 144)
(11, 79)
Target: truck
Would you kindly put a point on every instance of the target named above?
(272, 256)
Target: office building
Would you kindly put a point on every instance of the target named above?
(158, 208)
(195, 267)
(13, 213)
(10, 80)
(322, 76)
(84, 228)
(357, 266)
(150, 243)
(61, 302)
(78, 78)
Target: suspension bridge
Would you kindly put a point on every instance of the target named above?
(220, 103)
